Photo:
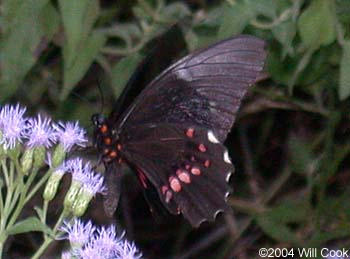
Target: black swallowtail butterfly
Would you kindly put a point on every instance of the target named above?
(172, 134)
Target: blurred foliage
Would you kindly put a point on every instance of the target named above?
(292, 163)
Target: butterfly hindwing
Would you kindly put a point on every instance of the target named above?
(187, 164)
(113, 177)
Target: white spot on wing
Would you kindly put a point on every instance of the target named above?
(227, 158)
(212, 137)
(228, 176)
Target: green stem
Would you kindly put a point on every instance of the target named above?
(9, 194)
(45, 207)
(48, 239)
(42, 248)
(127, 51)
(2, 242)
(5, 171)
(38, 185)
(268, 26)
(22, 192)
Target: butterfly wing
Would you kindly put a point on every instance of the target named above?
(204, 88)
(174, 131)
(113, 177)
(189, 168)
(156, 60)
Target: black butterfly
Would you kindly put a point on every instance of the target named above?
(172, 134)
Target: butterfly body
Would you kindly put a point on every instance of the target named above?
(172, 134)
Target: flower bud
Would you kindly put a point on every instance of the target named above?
(14, 152)
(39, 156)
(82, 202)
(72, 194)
(27, 160)
(52, 185)
(58, 155)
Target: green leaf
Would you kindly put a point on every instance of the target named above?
(290, 211)
(316, 24)
(78, 18)
(344, 84)
(35, 22)
(49, 20)
(234, 19)
(82, 61)
(267, 8)
(175, 11)
(281, 72)
(276, 230)
(82, 44)
(285, 33)
(301, 154)
(122, 72)
(28, 225)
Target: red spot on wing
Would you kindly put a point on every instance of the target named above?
(207, 163)
(142, 178)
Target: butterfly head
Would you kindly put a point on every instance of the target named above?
(98, 120)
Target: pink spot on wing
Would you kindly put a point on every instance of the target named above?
(190, 132)
(196, 171)
(164, 189)
(202, 148)
(183, 176)
(175, 184)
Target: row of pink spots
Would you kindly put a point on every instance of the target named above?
(183, 176)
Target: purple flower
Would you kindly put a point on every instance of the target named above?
(39, 132)
(127, 250)
(69, 134)
(79, 233)
(66, 255)
(99, 243)
(93, 183)
(76, 168)
(12, 125)
(106, 244)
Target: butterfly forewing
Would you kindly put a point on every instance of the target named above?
(204, 88)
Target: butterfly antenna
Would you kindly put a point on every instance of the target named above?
(81, 97)
(102, 100)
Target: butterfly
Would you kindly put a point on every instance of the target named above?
(172, 134)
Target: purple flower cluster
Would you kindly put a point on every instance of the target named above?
(38, 131)
(92, 242)
(92, 182)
